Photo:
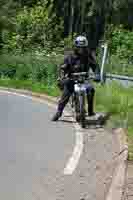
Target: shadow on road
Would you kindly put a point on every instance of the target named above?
(97, 121)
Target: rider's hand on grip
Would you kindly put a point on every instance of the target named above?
(97, 78)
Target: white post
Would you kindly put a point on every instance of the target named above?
(105, 46)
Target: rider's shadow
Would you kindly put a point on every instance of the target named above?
(97, 121)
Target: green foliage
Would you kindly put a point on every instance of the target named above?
(119, 66)
(38, 23)
(68, 42)
(121, 44)
(35, 26)
(33, 67)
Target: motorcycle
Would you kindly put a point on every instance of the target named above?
(78, 98)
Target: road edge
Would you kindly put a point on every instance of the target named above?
(117, 187)
(53, 100)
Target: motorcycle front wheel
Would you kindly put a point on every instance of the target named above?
(82, 110)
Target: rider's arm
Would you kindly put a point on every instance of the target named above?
(63, 68)
(95, 67)
(92, 62)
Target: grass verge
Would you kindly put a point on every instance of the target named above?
(51, 90)
(118, 101)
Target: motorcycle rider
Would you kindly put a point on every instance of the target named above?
(80, 60)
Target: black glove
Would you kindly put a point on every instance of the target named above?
(97, 78)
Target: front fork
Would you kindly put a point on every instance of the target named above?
(82, 106)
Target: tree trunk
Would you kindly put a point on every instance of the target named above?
(71, 19)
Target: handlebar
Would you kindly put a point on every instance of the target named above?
(80, 73)
(90, 76)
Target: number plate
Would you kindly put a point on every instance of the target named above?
(80, 87)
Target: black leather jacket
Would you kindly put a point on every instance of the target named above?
(76, 63)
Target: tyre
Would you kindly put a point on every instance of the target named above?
(82, 110)
(72, 100)
(77, 107)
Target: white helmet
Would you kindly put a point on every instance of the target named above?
(81, 41)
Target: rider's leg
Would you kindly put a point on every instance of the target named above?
(67, 92)
(90, 99)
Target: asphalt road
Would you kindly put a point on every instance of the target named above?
(34, 153)
(31, 146)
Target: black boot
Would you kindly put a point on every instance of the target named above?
(91, 114)
(90, 98)
(56, 116)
